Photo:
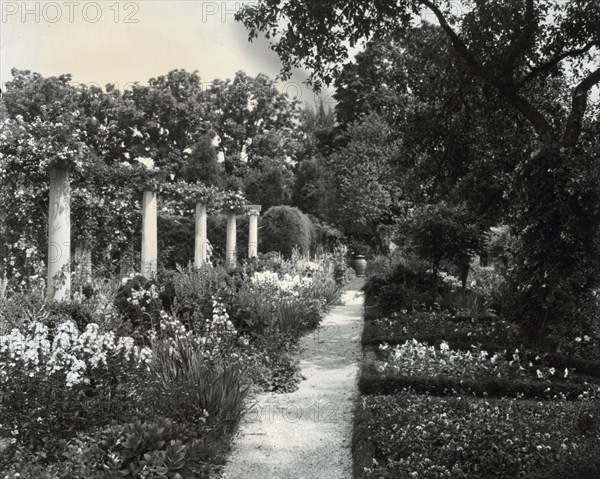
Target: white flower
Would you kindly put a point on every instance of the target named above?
(147, 162)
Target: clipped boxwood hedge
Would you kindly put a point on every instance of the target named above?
(373, 382)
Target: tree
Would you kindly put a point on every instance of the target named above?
(514, 47)
(200, 163)
(319, 137)
(363, 186)
(441, 232)
(419, 85)
(245, 108)
(174, 115)
(269, 184)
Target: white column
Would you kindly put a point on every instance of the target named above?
(253, 211)
(230, 253)
(149, 234)
(59, 235)
(201, 241)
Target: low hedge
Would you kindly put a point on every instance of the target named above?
(373, 337)
(373, 382)
(590, 470)
(582, 366)
(362, 449)
(442, 325)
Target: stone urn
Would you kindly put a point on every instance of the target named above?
(360, 265)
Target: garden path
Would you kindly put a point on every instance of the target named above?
(307, 434)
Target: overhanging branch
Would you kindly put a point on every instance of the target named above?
(554, 61)
(460, 46)
(506, 88)
(518, 47)
(579, 105)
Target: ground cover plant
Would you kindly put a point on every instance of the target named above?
(409, 435)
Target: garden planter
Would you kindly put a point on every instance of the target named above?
(360, 265)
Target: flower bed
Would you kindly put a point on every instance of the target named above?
(446, 371)
(407, 435)
(169, 361)
(446, 396)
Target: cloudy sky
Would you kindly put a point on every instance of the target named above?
(123, 42)
(110, 41)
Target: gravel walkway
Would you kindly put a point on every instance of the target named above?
(307, 434)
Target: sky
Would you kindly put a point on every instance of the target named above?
(122, 42)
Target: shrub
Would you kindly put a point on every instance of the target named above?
(21, 308)
(384, 265)
(196, 288)
(407, 287)
(285, 228)
(175, 240)
(401, 327)
(138, 301)
(442, 232)
(325, 237)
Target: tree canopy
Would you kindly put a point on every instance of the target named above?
(541, 59)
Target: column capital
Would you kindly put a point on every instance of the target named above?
(254, 210)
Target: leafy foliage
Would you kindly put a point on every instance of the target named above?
(442, 232)
(285, 228)
(539, 59)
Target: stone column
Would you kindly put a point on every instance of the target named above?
(230, 253)
(59, 236)
(253, 211)
(149, 234)
(201, 241)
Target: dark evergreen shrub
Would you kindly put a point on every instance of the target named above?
(283, 229)
(175, 241)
